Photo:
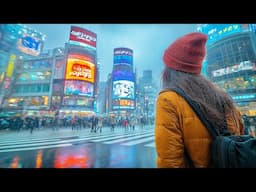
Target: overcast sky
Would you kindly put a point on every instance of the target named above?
(148, 42)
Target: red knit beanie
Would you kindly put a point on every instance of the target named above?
(186, 53)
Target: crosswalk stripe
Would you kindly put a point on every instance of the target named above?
(33, 139)
(54, 142)
(12, 144)
(28, 140)
(108, 135)
(138, 141)
(34, 148)
(18, 143)
(127, 139)
(153, 144)
(117, 137)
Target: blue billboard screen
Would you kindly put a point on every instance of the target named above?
(123, 75)
(30, 45)
(122, 59)
(123, 56)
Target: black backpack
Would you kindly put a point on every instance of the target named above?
(227, 151)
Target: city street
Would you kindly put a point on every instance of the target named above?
(64, 148)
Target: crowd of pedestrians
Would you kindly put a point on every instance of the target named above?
(94, 123)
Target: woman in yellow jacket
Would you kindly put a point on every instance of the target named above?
(177, 127)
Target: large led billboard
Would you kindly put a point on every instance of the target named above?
(79, 67)
(122, 75)
(218, 31)
(29, 45)
(243, 66)
(11, 65)
(82, 36)
(123, 104)
(82, 88)
(123, 89)
(123, 56)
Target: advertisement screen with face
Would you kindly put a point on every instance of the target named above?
(123, 89)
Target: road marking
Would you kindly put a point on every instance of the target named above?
(139, 141)
(127, 139)
(19, 143)
(35, 148)
(153, 144)
(117, 137)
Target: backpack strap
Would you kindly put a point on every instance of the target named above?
(210, 127)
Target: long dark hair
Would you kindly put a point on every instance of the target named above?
(213, 101)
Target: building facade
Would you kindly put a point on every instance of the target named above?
(31, 89)
(121, 84)
(147, 94)
(81, 75)
(17, 42)
(231, 58)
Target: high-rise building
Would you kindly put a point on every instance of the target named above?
(81, 75)
(31, 88)
(147, 94)
(231, 62)
(17, 42)
(123, 85)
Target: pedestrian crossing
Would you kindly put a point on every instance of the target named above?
(14, 143)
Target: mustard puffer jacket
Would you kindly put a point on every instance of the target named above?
(177, 126)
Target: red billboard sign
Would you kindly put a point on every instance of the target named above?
(83, 36)
(123, 51)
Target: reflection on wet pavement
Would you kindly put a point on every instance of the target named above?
(78, 150)
(88, 155)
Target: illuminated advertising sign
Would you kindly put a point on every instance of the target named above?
(2, 74)
(244, 65)
(244, 97)
(30, 45)
(218, 31)
(252, 27)
(79, 68)
(31, 102)
(123, 75)
(10, 65)
(123, 89)
(123, 51)
(83, 36)
(7, 82)
(82, 88)
(27, 76)
(37, 64)
(82, 102)
(123, 104)
(123, 56)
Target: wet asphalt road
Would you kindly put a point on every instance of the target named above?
(65, 148)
